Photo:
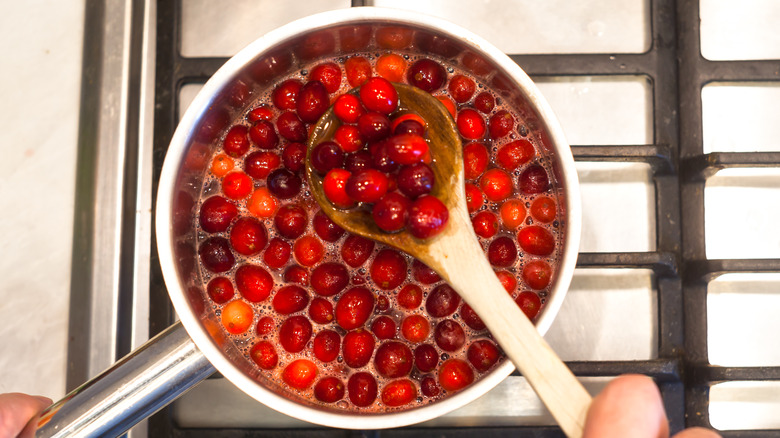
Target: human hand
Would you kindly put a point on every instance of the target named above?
(16, 410)
(631, 407)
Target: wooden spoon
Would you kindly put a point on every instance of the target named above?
(456, 255)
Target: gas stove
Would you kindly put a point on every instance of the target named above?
(673, 124)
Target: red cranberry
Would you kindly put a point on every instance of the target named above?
(326, 156)
(329, 278)
(308, 250)
(455, 374)
(393, 359)
(216, 214)
(426, 357)
(326, 345)
(496, 184)
(367, 185)
(378, 94)
(381, 157)
(277, 254)
(373, 126)
(313, 101)
(356, 250)
(325, 228)
(259, 164)
(427, 217)
(285, 94)
(362, 388)
(263, 134)
(300, 374)
(236, 142)
(423, 273)
(471, 318)
(534, 180)
(410, 296)
(383, 327)
(407, 148)
(237, 185)
(215, 254)
(500, 124)
(358, 161)
(335, 187)
(329, 389)
(474, 199)
(485, 224)
(536, 240)
(449, 335)
(283, 184)
(248, 236)
(415, 328)
(514, 154)
(529, 303)
(382, 303)
(262, 112)
(426, 74)
(502, 252)
(442, 301)
(429, 387)
(329, 74)
(398, 393)
(265, 325)
(354, 307)
(537, 274)
(321, 311)
(543, 209)
(357, 348)
(470, 123)
(475, 160)
(291, 127)
(254, 283)
(295, 333)
(390, 212)
(290, 220)
(348, 108)
(264, 355)
(461, 88)
(482, 354)
(348, 138)
(297, 274)
(388, 269)
(290, 299)
(220, 290)
(358, 70)
(409, 126)
(484, 102)
(507, 280)
(293, 156)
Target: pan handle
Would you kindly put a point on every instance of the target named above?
(133, 389)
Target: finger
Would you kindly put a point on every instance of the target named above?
(697, 432)
(628, 407)
(16, 410)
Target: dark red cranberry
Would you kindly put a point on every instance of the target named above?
(426, 357)
(409, 127)
(393, 359)
(321, 311)
(502, 252)
(216, 214)
(326, 345)
(536, 240)
(215, 254)
(325, 228)
(263, 134)
(373, 126)
(290, 220)
(295, 333)
(471, 318)
(485, 224)
(329, 389)
(415, 180)
(236, 142)
(378, 94)
(534, 180)
(290, 299)
(248, 236)
(329, 278)
(427, 217)
(313, 101)
(259, 164)
(283, 183)
(254, 283)
(482, 354)
(348, 108)
(427, 74)
(429, 387)
(423, 273)
(500, 124)
(293, 156)
(357, 348)
(291, 127)
(449, 335)
(461, 88)
(362, 389)
(442, 301)
(285, 94)
(390, 212)
(296, 274)
(470, 123)
(381, 157)
(356, 250)
(367, 185)
(329, 74)
(220, 290)
(537, 274)
(277, 254)
(388, 269)
(383, 327)
(484, 102)
(326, 156)
(358, 161)
(354, 307)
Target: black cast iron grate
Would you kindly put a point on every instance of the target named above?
(676, 72)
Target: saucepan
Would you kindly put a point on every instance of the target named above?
(196, 346)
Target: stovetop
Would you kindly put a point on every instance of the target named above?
(674, 130)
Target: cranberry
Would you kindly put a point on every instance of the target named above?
(329, 74)
(348, 138)
(529, 303)
(220, 290)
(379, 95)
(237, 185)
(313, 101)
(358, 161)
(264, 355)
(358, 70)
(507, 280)
(485, 224)
(381, 157)
(534, 180)
(484, 102)
(326, 345)
(373, 126)
(426, 74)
(475, 160)
(382, 303)
(325, 228)
(265, 325)
(291, 220)
(236, 142)
(290, 299)
(410, 296)
(514, 154)
(348, 108)
(216, 213)
(329, 278)
(285, 94)
(263, 134)
(407, 148)
(512, 213)
(300, 373)
(237, 317)
(502, 252)
(482, 354)
(248, 236)
(442, 301)
(321, 311)
(394, 37)
(391, 67)
(543, 209)
(335, 187)
(254, 283)
(326, 156)
(474, 199)
(390, 212)
(277, 254)
(297, 274)
(357, 348)
(293, 156)
(329, 389)
(262, 112)
(362, 389)
(215, 254)
(295, 333)
(408, 126)
(455, 374)
(415, 328)
(367, 185)
(500, 124)
(354, 307)
(427, 217)
(388, 269)
(356, 250)
(283, 183)
(536, 240)
(291, 127)
(471, 318)
(308, 250)
(393, 359)
(496, 184)
(423, 273)
(383, 327)
(449, 335)
(470, 123)
(259, 164)
(426, 357)
(461, 88)
(429, 387)
(537, 274)
(398, 393)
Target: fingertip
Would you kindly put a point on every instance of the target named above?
(629, 405)
(697, 432)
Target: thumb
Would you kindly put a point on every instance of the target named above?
(629, 407)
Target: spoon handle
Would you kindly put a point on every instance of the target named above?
(470, 274)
